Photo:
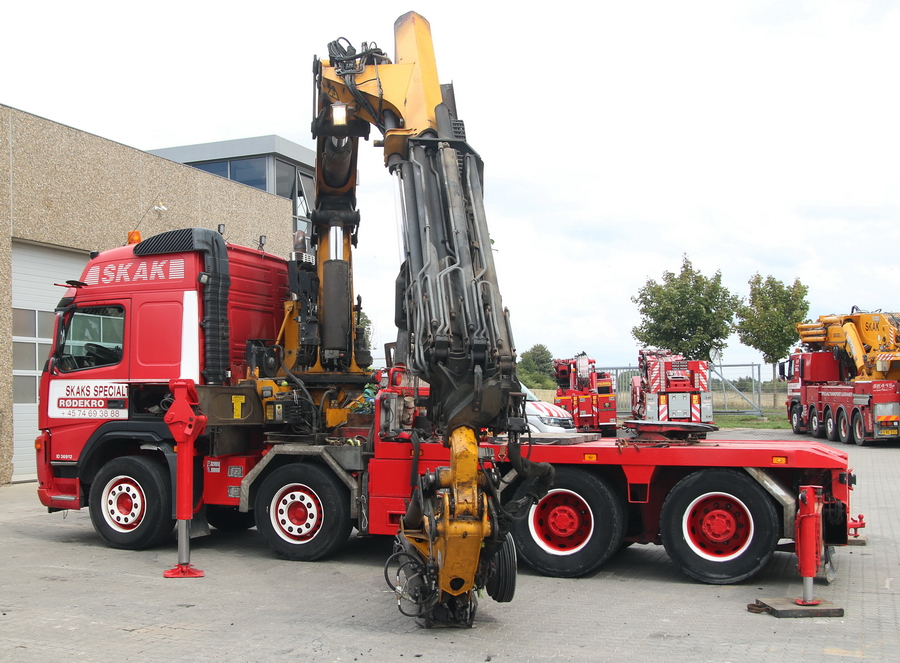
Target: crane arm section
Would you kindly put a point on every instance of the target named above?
(453, 331)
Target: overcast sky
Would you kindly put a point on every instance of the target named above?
(753, 136)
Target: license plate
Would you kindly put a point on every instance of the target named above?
(889, 431)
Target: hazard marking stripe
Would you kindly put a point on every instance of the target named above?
(888, 417)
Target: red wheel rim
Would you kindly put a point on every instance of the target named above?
(296, 513)
(561, 523)
(718, 526)
(123, 504)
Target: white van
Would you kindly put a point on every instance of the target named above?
(545, 417)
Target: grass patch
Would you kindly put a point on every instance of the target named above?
(771, 419)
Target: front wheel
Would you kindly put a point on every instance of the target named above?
(574, 528)
(796, 420)
(719, 526)
(303, 512)
(131, 503)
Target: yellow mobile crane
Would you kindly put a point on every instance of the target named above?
(845, 381)
(865, 342)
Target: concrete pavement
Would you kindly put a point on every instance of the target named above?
(66, 597)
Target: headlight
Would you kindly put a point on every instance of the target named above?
(559, 422)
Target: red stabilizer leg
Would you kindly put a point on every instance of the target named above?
(183, 571)
(809, 540)
(186, 423)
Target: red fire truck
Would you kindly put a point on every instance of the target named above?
(587, 394)
(671, 388)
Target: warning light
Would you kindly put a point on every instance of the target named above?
(134, 236)
(590, 457)
(339, 115)
(779, 460)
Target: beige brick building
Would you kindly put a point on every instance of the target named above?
(64, 193)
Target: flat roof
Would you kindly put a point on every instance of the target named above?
(238, 148)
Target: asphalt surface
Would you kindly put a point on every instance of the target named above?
(66, 597)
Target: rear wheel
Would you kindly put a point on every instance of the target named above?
(719, 526)
(796, 420)
(859, 431)
(303, 512)
(844, 430)
(831, 430)
(131, 503)
(574, 528)
(816, 426)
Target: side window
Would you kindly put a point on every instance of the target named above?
(93, 337)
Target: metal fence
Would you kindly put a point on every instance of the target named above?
(736, 389)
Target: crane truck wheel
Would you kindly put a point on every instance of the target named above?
(859, 431)
(844, 430)
(719, 526)
(574, 528)
(831, 430)
(796, 420)
(303, 512)
(816, 426)
(131, 503)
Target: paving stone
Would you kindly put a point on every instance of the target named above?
(67, 597)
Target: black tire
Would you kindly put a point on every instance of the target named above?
(719, 526)
(796, 420)
(831, 429)
(228, 518)
(858, 430)
(816, 426)
(131, 503)
(574, 528)
(501, 585)
(845, 432)
(303, 512)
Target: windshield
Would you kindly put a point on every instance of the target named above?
(529, 396)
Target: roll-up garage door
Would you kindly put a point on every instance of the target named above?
(35, 269)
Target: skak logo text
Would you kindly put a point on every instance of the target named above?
(130, 272)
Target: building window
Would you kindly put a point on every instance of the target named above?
(219, 168)
(32, 334)
(285, 180)
(251, 172)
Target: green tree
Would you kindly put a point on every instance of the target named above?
(363, 320)
(687, 313)
(540, 358)
(768, 321)
(535, 368)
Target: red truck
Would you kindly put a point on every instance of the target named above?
(844, 384)
(669, 387)
(587, 394)
(146, 314)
